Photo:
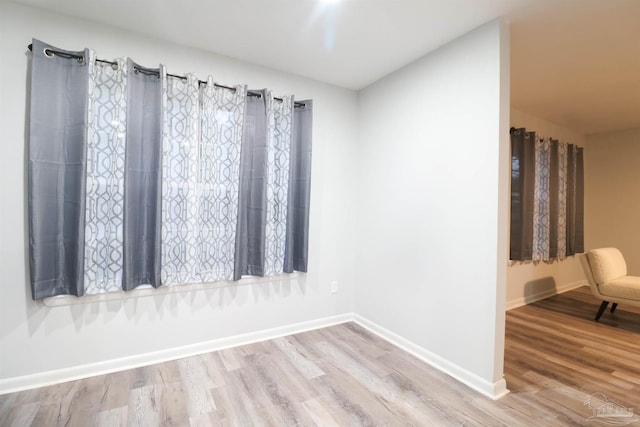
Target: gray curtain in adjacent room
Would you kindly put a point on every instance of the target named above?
(547, 198)
(296, 254)
(142, 177)
(575, 203)
(57, 147)
(522, 184)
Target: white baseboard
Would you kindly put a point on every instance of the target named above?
(43, 379)
(493, 390)
(520, 301)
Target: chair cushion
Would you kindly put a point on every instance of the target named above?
(627, 287)
(607, 264)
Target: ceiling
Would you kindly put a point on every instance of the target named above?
(574, 62)
(579, 66)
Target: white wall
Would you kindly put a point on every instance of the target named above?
(433, 204)
(527, 281)
(36, 339)
(612, 181)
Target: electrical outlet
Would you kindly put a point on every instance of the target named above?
(334, 286)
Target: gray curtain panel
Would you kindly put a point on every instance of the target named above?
(575, 201)
(522, 189)
(252, 202)
(143, 178)
(296, 254)
(57, 147)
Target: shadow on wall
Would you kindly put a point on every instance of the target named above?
(535, 288)
(164, 306)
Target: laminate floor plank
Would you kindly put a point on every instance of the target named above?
(215, 370)
(142, 407)
(116, 417)
(117, 389)
(558, 362)
(350, 402)
(257, 395)
(229, 409)
(231, 358)
(319, 413)
(234, 402)
(279, 391)
(297, 357)
(22, 415)
(172, 403)
(294, 382)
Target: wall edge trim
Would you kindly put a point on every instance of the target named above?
(520, 301)
(494, 390)
(46, 378)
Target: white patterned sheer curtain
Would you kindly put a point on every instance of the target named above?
(203, 137)
(105, 176)
(145, 178)
(547, 198)
(541, 196)
(222, 129)
(180, 181)
(279, 127)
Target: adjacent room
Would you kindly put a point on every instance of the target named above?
(379, 288)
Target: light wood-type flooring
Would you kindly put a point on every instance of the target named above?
(557, 361)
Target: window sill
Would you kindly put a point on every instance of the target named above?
(148, 290)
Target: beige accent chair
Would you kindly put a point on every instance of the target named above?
(606, 272)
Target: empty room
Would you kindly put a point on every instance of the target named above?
(301, 212)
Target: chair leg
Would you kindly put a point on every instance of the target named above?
(603, 306)
(613, 307)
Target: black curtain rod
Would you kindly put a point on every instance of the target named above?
(50, 52)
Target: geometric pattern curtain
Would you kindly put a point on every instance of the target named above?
(221, 144)
(144, 178)
(547, 198)
(200, 180)
(105, 176)
(180, 182)
(279, 131)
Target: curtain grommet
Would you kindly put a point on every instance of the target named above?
(48, 52)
